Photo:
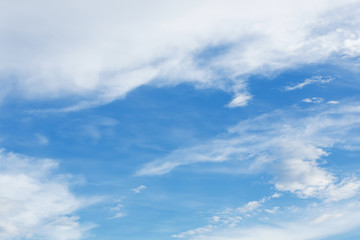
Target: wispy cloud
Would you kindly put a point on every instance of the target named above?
(313, 221)
(118, 209)
(309, 81)
(138, 189)
(229, 218)
(41, 139)
(118, 215)
(318, 100)
(313, 100)
(309, 223)
(251, 206)
(197, 231)
(285, 143)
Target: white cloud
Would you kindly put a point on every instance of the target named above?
(118, 209)
(231, 217)
(312, 222)
(313, 100)
(251, 206)
(36, 203)
(288, 144)
(273, 210)
(239, 101)
(309, 81)
(101, 51)
(118, 215)
(138, 189)
(197, 231)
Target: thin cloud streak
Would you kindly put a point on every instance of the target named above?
(309, 81)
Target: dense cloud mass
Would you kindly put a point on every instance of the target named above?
(100, 52)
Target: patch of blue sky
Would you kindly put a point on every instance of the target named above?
(107, 144)
(269, 91)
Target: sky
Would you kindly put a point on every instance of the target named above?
(193, 120)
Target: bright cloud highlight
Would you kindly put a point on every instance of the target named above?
(35, 203)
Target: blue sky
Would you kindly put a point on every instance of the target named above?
(216, 120)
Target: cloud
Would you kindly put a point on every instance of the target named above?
(309, 81)
(96, 128)
(251, 206)
(273, 210)
(289, 144)
(313, 100)
(35, 203)
(118, 209)
(102, 51)
(138, 189)
(239, 101)
(118, 215)
(311, 222)
(231, 217)
(228, 218)
(323, 225)
(197, 231)
(41, 139)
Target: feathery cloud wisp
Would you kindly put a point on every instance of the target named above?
(309, 81)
